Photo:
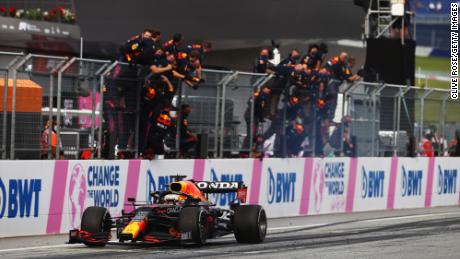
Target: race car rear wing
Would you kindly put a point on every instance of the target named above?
(224, 187)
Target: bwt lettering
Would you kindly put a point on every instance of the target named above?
(411, 182)
(20, 197)
(447, 181)
(224, 199)
(372, 183)
(281, 187)
(160, 184)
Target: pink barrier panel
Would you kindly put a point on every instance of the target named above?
(57, 197)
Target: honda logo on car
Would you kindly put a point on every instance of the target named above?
(334, 178)
(20, 196)
(281, 187)
(372, 183)
(224, 199)
(411, 182)
(103, 183)
(447, 180)
(217, 185)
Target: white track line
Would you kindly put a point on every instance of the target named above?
(32, 248)
(366, 220)
(270, 229)
(408, 217)
(297, 226)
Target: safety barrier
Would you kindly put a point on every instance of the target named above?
(49, 197)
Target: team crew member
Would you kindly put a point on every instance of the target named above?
(340, 68)
(313, 59)
(187, 138)
(295, 135)
(173, 45)
(263, 64)
(161, 125)
(132, 50)
(202, 48)
(261, 109)
(282, 71)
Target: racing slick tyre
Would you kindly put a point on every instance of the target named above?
(96, 220)
(193, 219)
(250, 224)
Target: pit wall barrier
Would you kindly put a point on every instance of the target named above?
(49, 197)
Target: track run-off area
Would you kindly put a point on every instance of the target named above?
(411, 233)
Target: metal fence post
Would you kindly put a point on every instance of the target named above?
(374, 117)
(395, 119)
(58, 112)
(5, 102)
(344, 101)
(222, 115)
(93, 106)
(422, 107)
(179, 117)
(216, 121)
(443, 116)
(400, 99)
(13, 103)
(50, 104)
(101, 106)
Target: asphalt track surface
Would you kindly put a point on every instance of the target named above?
(417, 233)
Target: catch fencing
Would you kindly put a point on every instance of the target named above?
(95, 106)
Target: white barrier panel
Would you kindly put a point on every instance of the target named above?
(25, 194)
(411, 182)
(281, 186)
(47, 197)
(372, 184)
(445, 182)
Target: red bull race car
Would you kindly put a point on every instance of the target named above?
(182, 213)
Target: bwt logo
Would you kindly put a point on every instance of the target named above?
(281, 187)
(224, 199)
(20, 197)
(411, 182)
(372, 184)
(160, 183)
(447, 181)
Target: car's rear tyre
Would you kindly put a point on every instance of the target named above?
(193, 219)
(96, 220)
(250, 224)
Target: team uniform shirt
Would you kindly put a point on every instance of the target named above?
(339, 69)
(262, 65)
(261, 106)
(311, 60)
(285, 67)
(170, 46)
(137, 50)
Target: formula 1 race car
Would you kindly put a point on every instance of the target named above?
(182, 213)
